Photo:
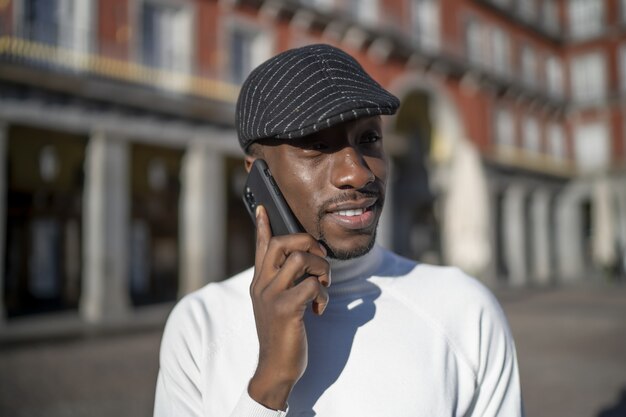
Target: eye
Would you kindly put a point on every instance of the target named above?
(371, 137)
(317, 146)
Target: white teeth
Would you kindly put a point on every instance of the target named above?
(351, 213)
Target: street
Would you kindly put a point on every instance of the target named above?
(571, 346)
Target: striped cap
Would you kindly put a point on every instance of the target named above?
(304, 90)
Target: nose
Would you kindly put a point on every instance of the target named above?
(350, 170)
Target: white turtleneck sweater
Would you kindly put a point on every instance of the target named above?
(397, 339)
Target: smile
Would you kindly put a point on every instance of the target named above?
(351, 213)
(354, 215)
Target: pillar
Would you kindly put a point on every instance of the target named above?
(384, 234)
(491, 277)
(619, 185)
(203, 217)
(569, 235)
(4, 138)
(514, 235)
(106, 221)
(540, 223)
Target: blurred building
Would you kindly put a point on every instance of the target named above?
(121, 173)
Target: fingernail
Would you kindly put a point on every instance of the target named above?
(326, 282)
(257, 211)
(318, 309)
(323, 250)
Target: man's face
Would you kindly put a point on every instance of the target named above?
(334, 181)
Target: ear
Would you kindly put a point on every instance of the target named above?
(248, 161)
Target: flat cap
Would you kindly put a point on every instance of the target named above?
(304, 90)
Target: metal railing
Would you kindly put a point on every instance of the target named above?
(108, 61)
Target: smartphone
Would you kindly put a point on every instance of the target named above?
(261, 189)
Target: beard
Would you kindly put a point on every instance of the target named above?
(357, 251)
(344, 255)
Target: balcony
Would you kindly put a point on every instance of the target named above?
(105, 73)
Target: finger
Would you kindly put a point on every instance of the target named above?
(320, 302)
(299, 264)
(263, 237)
(280, 247)
(310, 291)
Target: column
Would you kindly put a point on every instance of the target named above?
(466, 216)
(384, 234)
(203, 217)
(514, 235)
(540, 218)
(603, 224)
(4, 138)
(569, 236)
(106, 218)
(491, 277)
(619, 186)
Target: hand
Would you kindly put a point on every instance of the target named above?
(279, 307)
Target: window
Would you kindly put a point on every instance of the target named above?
(322, 4)
(550, 14)
(502, 3)
(241, 55)
(531, 135)
(504, 129)
(529, 66)
(527, 9)
(425, 20)
(556, 141)
(40, 21)
(591, 149)
(501, 50)
(248, 48)
(57, 22)
(475, 44)
(586, 18)
(365, 11)
(623, 67)
(554, 77)
(166, 37)
(589, 77)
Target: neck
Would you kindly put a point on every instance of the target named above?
(342, 271)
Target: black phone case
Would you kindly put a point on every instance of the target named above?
(261, 189)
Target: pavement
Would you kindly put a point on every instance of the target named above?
(571, 345)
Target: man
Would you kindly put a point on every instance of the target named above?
(366, 333)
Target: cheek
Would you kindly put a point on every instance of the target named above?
(301, 193)
(378, 167)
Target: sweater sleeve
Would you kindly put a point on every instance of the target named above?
(498, 390)
(180, 390)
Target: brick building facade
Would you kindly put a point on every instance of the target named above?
(121, 170)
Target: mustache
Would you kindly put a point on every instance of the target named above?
(373, 191)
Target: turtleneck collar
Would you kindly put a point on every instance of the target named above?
(363, 266)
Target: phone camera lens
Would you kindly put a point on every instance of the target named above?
(249, 197)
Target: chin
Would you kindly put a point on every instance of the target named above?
(349, 248)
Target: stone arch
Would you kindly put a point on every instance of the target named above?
(446, 150)
(420, 139)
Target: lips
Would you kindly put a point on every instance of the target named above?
(354, 215)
